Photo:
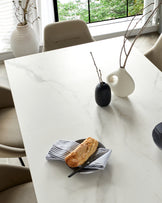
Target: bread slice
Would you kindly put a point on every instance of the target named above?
(82, 153)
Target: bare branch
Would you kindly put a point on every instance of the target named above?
(126, 36)
(138, 20)
(97, 70)
(23, 13)
(100, 76)
(139, 33)
(35, 20)
(151, 15)
(126, 33)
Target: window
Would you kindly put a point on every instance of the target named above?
(88, 10)
(96, 10)
(7, 24)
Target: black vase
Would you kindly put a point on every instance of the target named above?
(157, 135)
(103, 94)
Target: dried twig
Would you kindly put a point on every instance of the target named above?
(97, 70)
(139, 33)
(24, 13)
(127, 35)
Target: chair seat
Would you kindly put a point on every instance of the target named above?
(154, 54)
(23, 193)
(11, 143)
(9, 128)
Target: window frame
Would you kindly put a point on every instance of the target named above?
(56, 14)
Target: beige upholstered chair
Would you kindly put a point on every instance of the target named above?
(155, 53)
(16, 185)
(11, 144)
(65, 34)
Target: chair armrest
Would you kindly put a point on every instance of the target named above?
(5, 98)
(11, 176)
(11, 152)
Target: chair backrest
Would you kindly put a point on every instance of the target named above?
(65, 34)
(11, 176)
(5, 97)
(155, 53)
(16, 185)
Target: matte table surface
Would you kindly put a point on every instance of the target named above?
(54, 99)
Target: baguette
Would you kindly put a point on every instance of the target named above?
(82, 153)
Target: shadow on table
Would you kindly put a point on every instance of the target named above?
(119, 110)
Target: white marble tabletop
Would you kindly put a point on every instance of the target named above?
(54, 99)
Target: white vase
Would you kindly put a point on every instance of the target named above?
(24, 41)
(121, 83)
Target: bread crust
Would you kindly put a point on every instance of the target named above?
(82, 153)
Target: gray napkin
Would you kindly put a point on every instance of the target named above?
(62, 148)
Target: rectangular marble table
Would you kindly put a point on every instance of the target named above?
(53, 94)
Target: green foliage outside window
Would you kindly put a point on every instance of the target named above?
(99, 9)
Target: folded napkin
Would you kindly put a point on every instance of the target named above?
(62, 148)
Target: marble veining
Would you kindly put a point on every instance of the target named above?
(54, 99)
